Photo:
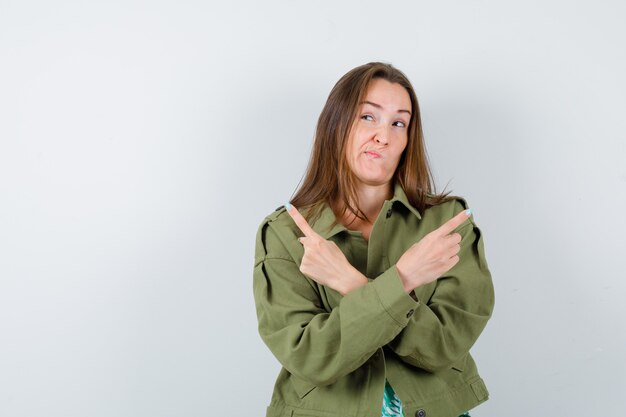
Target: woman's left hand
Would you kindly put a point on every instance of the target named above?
(323, 261)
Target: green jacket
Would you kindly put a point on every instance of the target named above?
(336, 351)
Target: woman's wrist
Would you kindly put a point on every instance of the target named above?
(406, 282)
(354, 280)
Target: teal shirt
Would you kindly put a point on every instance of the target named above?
(392, 405)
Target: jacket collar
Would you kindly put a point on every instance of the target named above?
(327, 215)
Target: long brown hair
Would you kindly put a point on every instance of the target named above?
(328, 177)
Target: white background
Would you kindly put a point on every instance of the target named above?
(142, 143)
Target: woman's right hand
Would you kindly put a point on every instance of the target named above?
(323, 261)
(431, 257)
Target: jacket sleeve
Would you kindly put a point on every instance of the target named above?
(310, 342)
(443, 329)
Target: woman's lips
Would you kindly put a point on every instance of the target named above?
(372, 154)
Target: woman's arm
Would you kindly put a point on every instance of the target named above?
(445, 327)
(310, 342)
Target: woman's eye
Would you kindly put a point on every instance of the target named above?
(400, 124)
(365, 117)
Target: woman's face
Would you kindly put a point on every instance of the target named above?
(379, 133)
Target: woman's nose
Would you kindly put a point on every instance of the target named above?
(381, 137)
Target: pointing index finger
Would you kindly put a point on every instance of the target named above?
(300, 221)
(454, 222)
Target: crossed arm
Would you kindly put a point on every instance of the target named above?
(321, 346)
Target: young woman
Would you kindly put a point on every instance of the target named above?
(370, 290)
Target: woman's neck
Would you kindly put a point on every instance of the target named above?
(371, 200)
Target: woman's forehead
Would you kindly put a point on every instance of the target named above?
(389, 96)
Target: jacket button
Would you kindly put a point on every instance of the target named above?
(409, 314)
(389, 212)
(420, 413)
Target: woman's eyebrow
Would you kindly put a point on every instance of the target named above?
(378, 106)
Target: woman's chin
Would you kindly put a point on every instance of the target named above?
(373, 175)
(373, 179)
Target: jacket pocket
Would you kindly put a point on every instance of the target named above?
(301, 386)
(460, 364)
(480, 389)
